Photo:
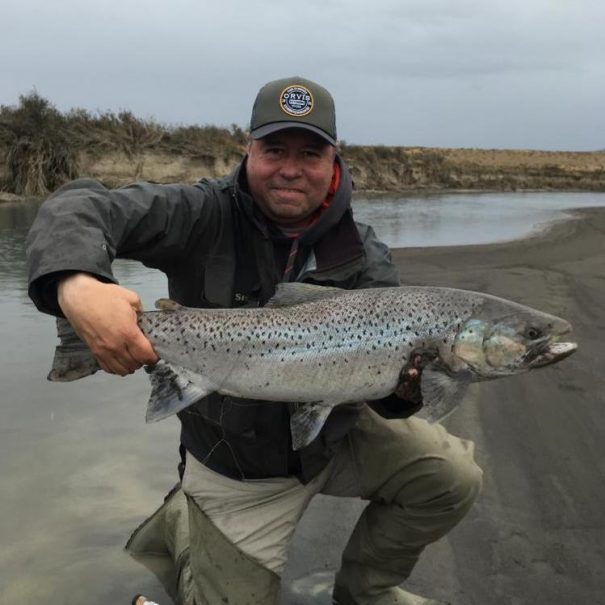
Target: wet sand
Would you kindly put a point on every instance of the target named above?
(537, 534)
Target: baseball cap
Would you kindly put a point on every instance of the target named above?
(293, 103)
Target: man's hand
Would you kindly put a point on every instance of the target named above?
(105, 317)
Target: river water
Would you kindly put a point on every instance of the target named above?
(78, 466)
(462, 218)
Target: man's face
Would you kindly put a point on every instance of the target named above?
(289, 174)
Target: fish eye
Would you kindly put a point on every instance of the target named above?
(533, 333)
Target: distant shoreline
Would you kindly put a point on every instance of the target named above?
(6, 197)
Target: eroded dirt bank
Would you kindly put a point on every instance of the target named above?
(373, 168)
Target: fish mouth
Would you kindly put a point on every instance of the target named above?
(550, 351)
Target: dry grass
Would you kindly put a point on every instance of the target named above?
(39, 156)
(38, 165)
(43, 148)
(401, 168)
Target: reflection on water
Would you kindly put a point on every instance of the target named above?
(14, 222)
(79, 467)
(458, 219)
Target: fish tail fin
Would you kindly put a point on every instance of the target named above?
(73, 359)
(173, 389)
(307, 421)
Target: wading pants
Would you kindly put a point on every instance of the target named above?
(419, 481)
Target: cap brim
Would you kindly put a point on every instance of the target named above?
(268, 129)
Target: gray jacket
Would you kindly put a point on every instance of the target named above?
(216, 249)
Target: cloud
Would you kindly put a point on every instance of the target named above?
(452, 62)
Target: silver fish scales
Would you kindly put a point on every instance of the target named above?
(324, 347)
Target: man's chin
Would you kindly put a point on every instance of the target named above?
(286, 214)
(288, 206)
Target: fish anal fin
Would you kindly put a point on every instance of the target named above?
(307, 421)
(441, 392)
(173, 389)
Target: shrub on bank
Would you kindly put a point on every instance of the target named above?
(41, 145)
(39, 156)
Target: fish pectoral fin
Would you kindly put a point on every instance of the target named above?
(73, 359)
(441, 393)
(173, 389)
(293, 293)
(307, 421)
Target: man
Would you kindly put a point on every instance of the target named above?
(283, 215)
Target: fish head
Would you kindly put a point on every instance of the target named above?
(510, 339)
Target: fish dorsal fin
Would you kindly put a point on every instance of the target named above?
(287, 295)
(441, 392)
(165, 304)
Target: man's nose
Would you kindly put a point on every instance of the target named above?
(291, 167)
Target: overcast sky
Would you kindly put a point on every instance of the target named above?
(448, 73)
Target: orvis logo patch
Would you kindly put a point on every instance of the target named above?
(296, 101)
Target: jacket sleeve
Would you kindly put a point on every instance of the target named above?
(83, 226)
(379, 272)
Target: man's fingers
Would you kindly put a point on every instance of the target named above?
(141, 351)
(112, 366)
(121, 363)
(134, 300)
(126, 353)
(116, 360)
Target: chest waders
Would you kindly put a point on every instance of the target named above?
(208, 568)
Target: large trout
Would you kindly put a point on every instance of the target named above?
(322, 347)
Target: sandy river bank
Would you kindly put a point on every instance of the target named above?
(537, 534)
